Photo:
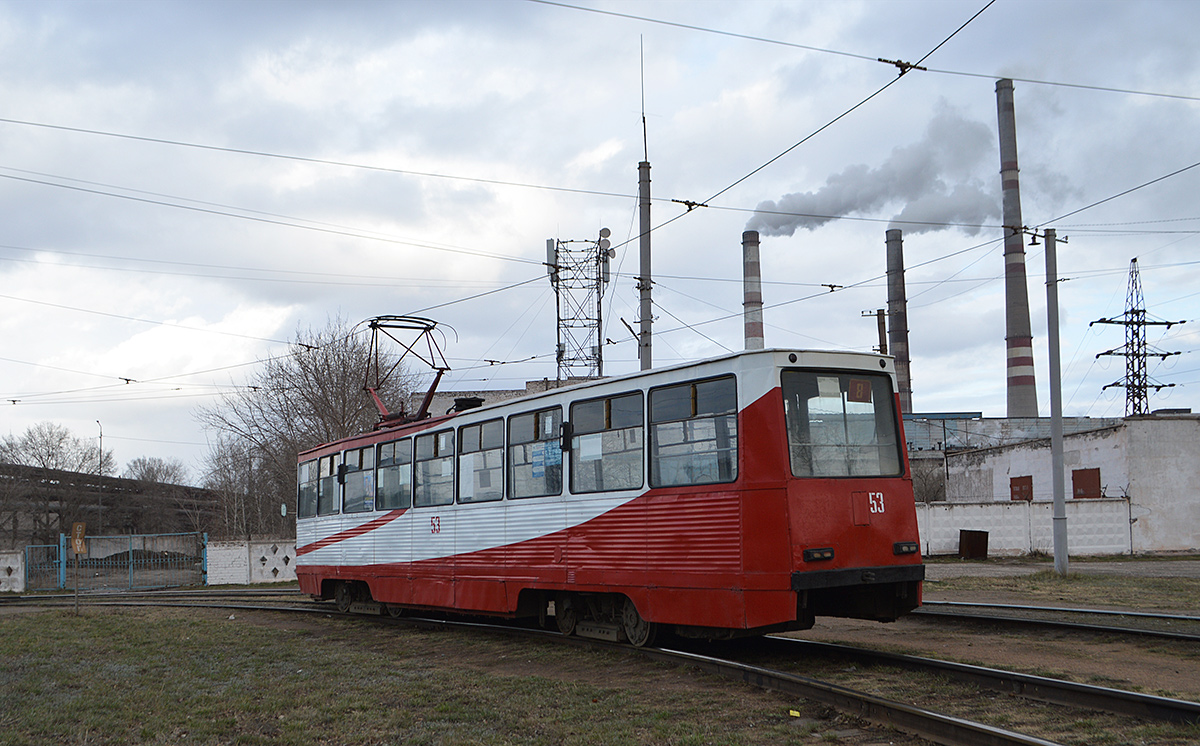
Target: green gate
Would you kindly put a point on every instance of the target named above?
(132, 562)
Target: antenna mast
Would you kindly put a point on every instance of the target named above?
(644, 282)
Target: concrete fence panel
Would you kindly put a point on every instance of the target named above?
(1099, 526)
(249, 562)
(12, 572)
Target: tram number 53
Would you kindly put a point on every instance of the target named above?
(435, 524)
(875, 501)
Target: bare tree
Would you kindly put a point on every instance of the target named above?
(929, 479)
(53, 446)
(312, 395)
(156, 470)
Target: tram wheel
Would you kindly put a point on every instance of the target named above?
(343, 596)
(638, 630)
(565, 614)
(394, 611)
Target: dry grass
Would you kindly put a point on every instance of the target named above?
(185, 677)
(1097, 591)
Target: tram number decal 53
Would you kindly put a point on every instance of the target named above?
(875, 501)
(435, 524)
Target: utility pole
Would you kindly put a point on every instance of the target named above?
(1135, 351)
(644, 283)
(1057, 479)
(100, 494)
(881, 319)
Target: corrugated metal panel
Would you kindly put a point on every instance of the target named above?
(695, 533)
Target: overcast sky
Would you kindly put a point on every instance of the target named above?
(175, 211)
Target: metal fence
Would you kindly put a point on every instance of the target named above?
(118, 563)
(43, 570)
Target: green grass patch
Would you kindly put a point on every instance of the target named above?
(1086, 590)
(178, 677)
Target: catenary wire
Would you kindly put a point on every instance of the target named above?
(854, 55)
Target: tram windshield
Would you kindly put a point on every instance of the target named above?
(841, 424)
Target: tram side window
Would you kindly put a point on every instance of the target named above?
(481, 462)
(306, 499)
(841, 424)
(535, 454)
(693, 433)
(393, 482)
(607, 449)
(433, 463)
(327, 485)
(358, 490)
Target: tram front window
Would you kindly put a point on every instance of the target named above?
(841, 424)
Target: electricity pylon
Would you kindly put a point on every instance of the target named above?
(1137, 383)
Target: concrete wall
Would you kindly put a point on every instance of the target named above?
(1015, 528)
(948, 432)
(984, 475)
(243, 563)
(12, 572)
(1164, 482)
(1153, 462)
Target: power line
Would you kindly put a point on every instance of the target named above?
(270, 221)
(1122, 194)
(378, 281)
(140, 320)
(306, 159)
(864, 57)
(854, 108)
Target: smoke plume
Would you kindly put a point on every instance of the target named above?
(935, 178)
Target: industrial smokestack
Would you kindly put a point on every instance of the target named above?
(752, 291)
(1022, 387)
(898, 316)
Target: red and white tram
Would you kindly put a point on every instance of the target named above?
(738, 495)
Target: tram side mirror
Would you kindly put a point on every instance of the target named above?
(341, 473)
(566, 431)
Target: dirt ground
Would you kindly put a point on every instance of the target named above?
(1143, 665)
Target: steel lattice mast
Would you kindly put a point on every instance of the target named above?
(579, 271)
(1137, 383)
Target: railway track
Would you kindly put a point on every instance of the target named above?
(1165, 626)
(935, 726)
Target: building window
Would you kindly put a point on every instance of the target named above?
(1086, 483)
(1021, 488)
(606, 452)
(434, 467)
(535, 454)
(693, 433)
(393, 484)
(481, 462)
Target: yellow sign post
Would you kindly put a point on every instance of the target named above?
(79, 545)
(79, 537)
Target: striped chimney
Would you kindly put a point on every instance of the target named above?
(1022, 388)
(752, 303)
(898, 316)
